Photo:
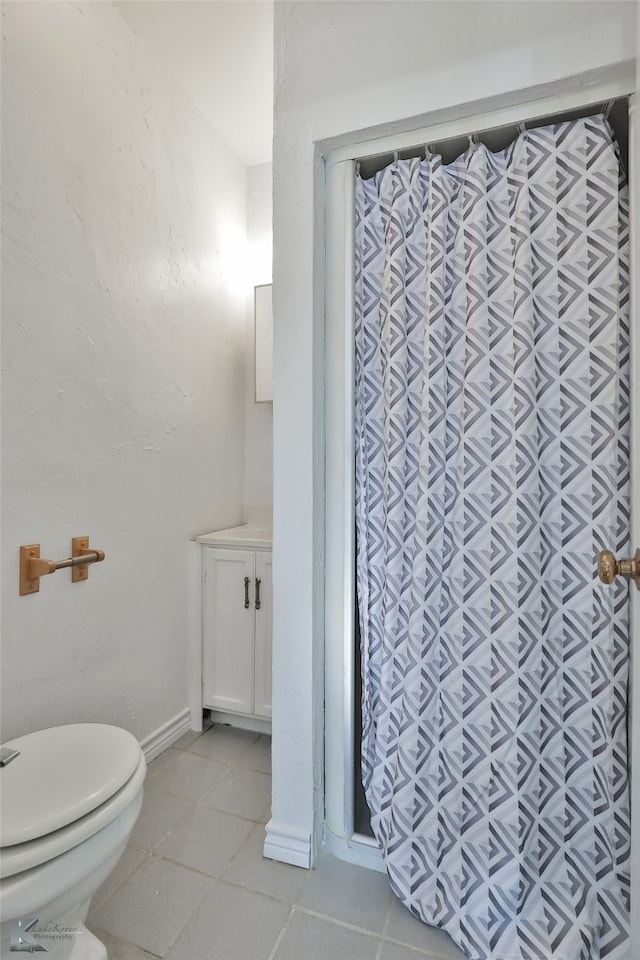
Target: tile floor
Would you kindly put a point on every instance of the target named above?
(193, 884)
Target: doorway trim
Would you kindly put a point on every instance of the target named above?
(338, 158)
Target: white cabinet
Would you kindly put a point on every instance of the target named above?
(236, 631)
(236, 623)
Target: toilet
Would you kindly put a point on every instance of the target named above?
(69, 798)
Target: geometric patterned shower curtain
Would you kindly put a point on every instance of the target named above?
(492, 466)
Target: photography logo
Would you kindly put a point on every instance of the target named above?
(22, 940)
(27, 936)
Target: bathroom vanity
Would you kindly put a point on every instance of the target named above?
(236, 624)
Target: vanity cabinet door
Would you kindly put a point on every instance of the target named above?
(228, 629)
(263, 622)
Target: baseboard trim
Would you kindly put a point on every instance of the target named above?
(157, 742)
(288, 845)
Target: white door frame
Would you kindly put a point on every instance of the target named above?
(339, 159)
(634, 701)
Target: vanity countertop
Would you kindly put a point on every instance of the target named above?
(248, 535)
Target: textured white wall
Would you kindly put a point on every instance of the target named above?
(221, 53)
(258, 483)
(340, 68)
(123, 337)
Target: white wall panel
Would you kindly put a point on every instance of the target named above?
(123, 337)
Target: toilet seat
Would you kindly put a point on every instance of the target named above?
(73, 781)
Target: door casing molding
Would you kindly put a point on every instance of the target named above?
(336, 163)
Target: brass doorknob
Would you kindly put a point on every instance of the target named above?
(609, 567)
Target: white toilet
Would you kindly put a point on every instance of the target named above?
(68, 802)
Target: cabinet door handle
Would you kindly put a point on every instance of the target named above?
(246, 593)
(257, 593)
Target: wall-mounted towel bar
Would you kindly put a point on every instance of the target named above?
(32, 567)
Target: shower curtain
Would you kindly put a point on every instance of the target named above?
(492, 467)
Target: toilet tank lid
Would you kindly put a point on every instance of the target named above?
(61, 774)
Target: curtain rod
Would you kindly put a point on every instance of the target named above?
(379, 160)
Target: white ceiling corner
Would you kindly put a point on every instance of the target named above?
(221, 53)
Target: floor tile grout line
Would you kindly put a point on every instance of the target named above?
(206, 758)
(238, 760)
(281, 934)
(427, 952)
(118, 887)
(201, 873)
(206, 876)
(181, 796)
(201, 801)
(150, 855)
(419, 953)
(171, 763)
(387, 919)
(200, 806)
(339, 923)
(239, 851)
(231, 763)
(244, 769)
(190, 918)
(181, 817)
(254, 824)
(261, 893)
(385, 926)
(220, 877)
(100, 934)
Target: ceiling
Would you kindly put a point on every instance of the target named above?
(221, 53)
